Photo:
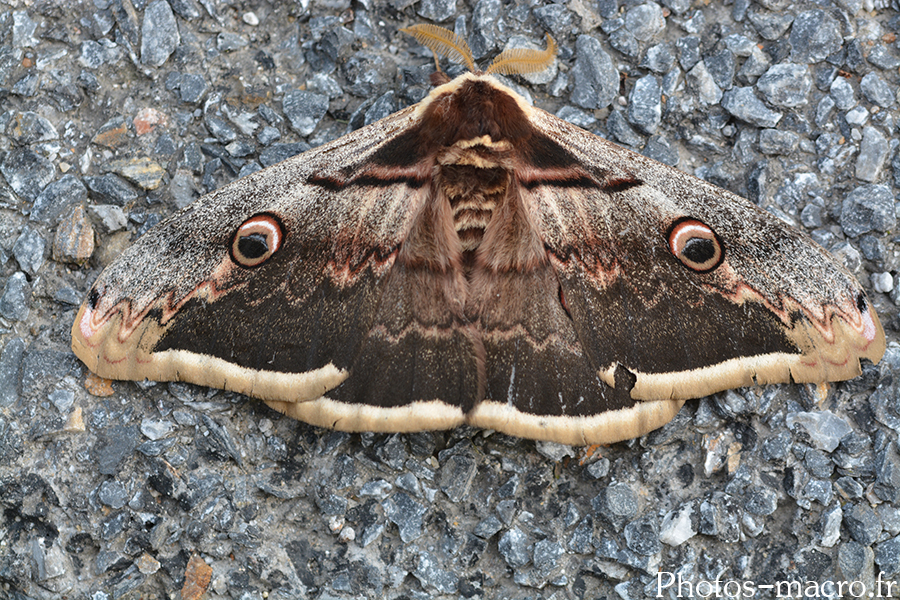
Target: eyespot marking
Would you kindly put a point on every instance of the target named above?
(257, 240)
(696, 245)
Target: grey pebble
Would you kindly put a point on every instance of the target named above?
(546, 555)
(857, 117)
(659, 58)
(624, 41)
(29, 250)
(616, 505)
(770, 25)
(873, 152)
(267, 135)
(877, 90)
(11, 360)
(112, 217)
(16, 298)
(279, 152)
(721, 67)
(645, 104)
(112, 493)
(742, 103)
(868, 208)
(110, 188)
(62, 399)
(621, 131)
(25, 128)
(486, 528)
(159, 34)
(432, 576)
(776, 141)
(27, 172)
(220, 129)
(814, 36)
(760, 500)
(192, 88)
(513, 547)
(688, 51)
(437, 11)
(304, 110)
(407, 514)
(116, 443)
(228, 41)
(786, 85)
(862, 523)
(57, 197)
(842, 92)
(596, 79)
(642, 536)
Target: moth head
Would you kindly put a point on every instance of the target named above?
(257, 240)
(515, 61)
(695, 244)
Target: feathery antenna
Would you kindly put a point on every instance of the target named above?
(519, 61)
(442, 42)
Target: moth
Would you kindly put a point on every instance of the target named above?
(473, 259)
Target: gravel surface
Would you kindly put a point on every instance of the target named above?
(117, 112)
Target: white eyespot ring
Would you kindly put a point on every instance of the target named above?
(257, 240)
(696, 245)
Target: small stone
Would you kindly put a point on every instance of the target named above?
(379, 489)
(659, 58)
(436, 10)
(27, 172)
(688, 51)
(842, 93)
(383, 106)
(815, 35)
(823, 111)
(228, 41)
(596, 79)
(486, 528)
(623, 41)
(111, 188)
(882, 282)
(431, 576)
(873, 152)
(159, 34)
(620, 130)
(11, 360)
(644, 105)
(62, 399)
(786, 85)
(855, 561)
(192, 88)
(887, 557)
(147, 565)
(721, 66)
(98, 386)
(576, 116)
(546, 555)
(771, 25)
(74, 239)
(56, 198)
(776, 141)
(143, 171)
(830, 523)
(857, 117)
(117, 443)
(877, 90)
(156, 429)
(758, 63)
(197, 575)
(267, 135)
(406, 514)
(113, 493)
(456, 475)
(642, 536)
(678, 525)
(862, 523)
(742, 103)
(616, 505)
(645, 21)
(304, 110)
(279, 152)
(112, 217)
(148, 119)
(555, 18)
(867, 208)
(29, 250)
(26, 128)
(760, 500)
(513, 547)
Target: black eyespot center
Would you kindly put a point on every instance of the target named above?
(253, 246)
(699, 250)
